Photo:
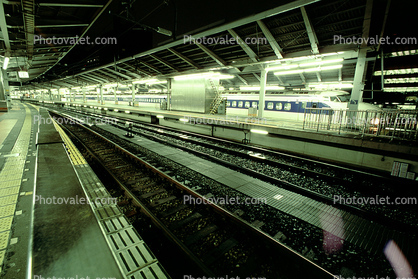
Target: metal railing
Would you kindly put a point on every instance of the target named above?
(393, 124)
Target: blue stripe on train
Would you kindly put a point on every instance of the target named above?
(291, 106)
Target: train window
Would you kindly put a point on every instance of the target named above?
(334, 99)
(247, 104)
(255, 104)
(234, 104)
(240, 103)
(287, 106)
(228, 103)
(279, 106)
(303, 105)
(270, 105)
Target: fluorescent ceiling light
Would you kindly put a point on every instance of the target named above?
(400, 89)
(259, 131)
(204, 75)
(160, 116)
(127, 111)
(282, 67)
(5, 63)
(184, 120)
(397, 72)
(256, 88)
(110, 85)
(144, 81)
(401, 80)
(115, 110)
(318, 69)
(22, 74)
(330, 85)
(321, 62)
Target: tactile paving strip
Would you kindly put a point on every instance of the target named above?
(7, 210)
(10, 177)
(132, 255)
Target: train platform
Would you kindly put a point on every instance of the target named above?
(345, 226)
(57, 219)
(376, 154)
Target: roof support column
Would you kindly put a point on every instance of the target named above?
(133, 94)
(358, 83)
(116, 94)
(84, 94)
(101, 101)
(262, 95)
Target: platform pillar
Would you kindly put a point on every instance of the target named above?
(84, 94)
(262, 95)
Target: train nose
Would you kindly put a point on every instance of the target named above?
(367, 106)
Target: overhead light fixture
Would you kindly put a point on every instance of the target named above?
(330, 85)
(22, 74)
(110, 85)
(259, 131)
(204, 75)
(318, 63)
(184, 120)
(160, 116)
(397, 72)
(318, 69)
(257, 88)
(5, 62)
(144, 81)
(282, 67)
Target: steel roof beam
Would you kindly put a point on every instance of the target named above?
(108, 74)
(151, 67)
(302, 77)
(272, 41)
(256, 76)
(117, 73)
(132, 68)
(318, 76)
(313, 39)
(242, 79)
(95, 79)
(212, 55)
(185, 59)
(3, 26)
(244, 46)
(169, 65)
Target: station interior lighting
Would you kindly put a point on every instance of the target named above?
(23, 74)
(204, 75)
(259, 131)
(160, 116)
(5, 62)
(330, 85)
(309, 70)
(110, 85)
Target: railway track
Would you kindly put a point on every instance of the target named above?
(217, 241)
(315, 179)
(298, 235)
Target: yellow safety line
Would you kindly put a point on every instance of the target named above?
(75, 155)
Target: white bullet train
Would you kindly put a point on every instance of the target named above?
(285, 106)
(292, 105)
